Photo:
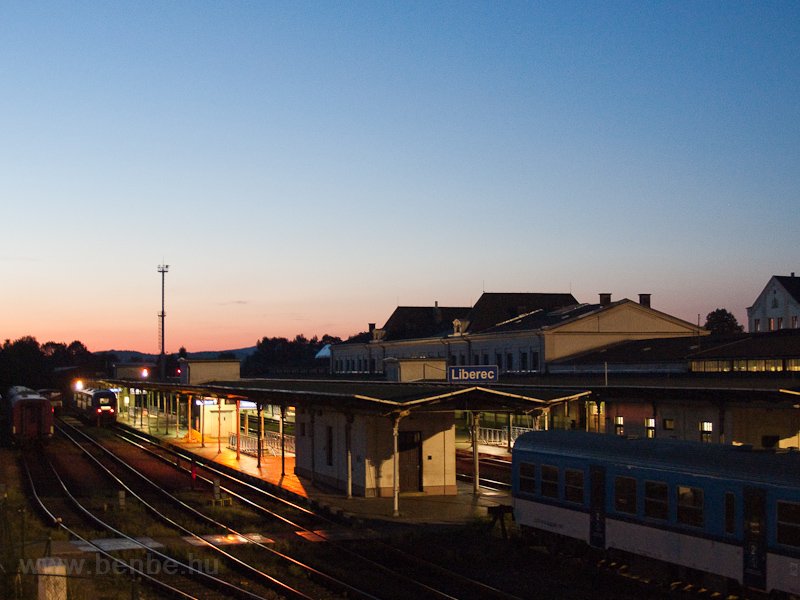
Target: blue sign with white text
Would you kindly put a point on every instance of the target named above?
(473, 374)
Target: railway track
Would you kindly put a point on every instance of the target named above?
(205, 533)
(367, 556)
(172, 577)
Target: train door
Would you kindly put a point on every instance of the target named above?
(597, 507)
(409, 447)
(31, 421)
(755, 538)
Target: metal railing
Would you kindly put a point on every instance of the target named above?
(499, 437)
(270, 443)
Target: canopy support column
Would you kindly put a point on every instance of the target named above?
(348, 437)
(260, 420)
(219, 425)
(476, 422)
(396, 466)
(238, 431)
(283, 440)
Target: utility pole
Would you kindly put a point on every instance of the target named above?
(162, 361)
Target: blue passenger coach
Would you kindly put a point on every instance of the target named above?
(725, 510)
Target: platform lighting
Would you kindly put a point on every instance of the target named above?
(78, 385)
(145, 373)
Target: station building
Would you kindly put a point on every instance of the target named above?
(520, 333)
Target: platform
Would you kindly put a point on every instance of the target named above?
(414, 508)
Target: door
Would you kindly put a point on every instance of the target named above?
(597, 507)
(409, 448)
(755, 538)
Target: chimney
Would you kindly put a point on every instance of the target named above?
(644, 300)
(436, 302)
(371, 327)
(605, 299)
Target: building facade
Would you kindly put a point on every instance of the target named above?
(777, 306)
(519, 333)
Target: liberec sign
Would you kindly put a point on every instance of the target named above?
(473, 374)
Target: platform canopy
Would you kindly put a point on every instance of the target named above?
(376, 397)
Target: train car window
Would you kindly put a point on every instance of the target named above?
(690, 506)
(656, 500)
(550, 481)
(730, 513)
(527, 478)
(573, 485)
(789, 523)
(625, 494)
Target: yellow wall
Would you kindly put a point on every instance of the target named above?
(624, 322)
(205, 371)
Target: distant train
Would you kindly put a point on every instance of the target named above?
(722, 514)
(96, 406)
(55, 398)
(26, 417)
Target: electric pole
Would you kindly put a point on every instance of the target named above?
(162, 361)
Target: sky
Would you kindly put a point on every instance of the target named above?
(306, 167)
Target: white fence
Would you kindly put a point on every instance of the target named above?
(270, 443)
(499, 437)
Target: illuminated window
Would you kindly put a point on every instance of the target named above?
(669, 424)
(625, 495)
(706, 431)
(619, 425)
(656, 500)
(772, 323)
(650, 427)
(780, 322)
(794, 322)
(690, 506)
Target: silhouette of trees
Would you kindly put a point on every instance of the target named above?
(279, 354)
(722, 322)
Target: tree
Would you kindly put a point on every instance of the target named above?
(722, 322)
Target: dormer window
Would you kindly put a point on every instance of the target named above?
(459, 326)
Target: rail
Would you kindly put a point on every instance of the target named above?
(270, 443)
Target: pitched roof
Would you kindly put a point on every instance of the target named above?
(539, 319)
(777, 344)
(494, 308)
(791, 283)
(414, 322)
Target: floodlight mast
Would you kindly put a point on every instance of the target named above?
(162, 363)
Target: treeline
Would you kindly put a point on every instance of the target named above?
(55, 365)
(279, 355)
(49, 365)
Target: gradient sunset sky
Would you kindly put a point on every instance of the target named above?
(306, 167)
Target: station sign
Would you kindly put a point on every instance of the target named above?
(473, 374)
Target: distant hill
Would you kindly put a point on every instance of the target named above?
(127, 356)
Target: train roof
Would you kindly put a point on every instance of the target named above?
(706, 459)
(17, 393)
